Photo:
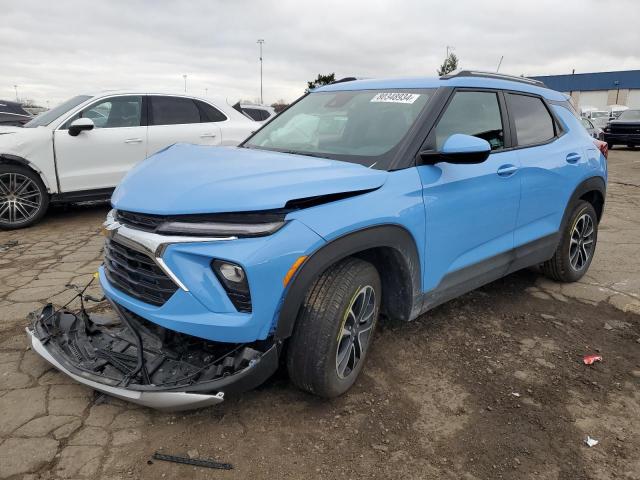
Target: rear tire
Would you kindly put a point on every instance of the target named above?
(334, 328)
(577, 245)
(23, 197)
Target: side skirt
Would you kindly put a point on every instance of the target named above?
(83, 196)
(474, 276)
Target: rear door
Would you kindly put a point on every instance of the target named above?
(552, 164)
(99, 158)
(174, 119)
(470, 209)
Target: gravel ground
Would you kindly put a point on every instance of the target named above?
(488, 386)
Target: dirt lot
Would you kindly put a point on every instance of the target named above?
(488, 386)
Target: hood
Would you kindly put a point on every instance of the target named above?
(185, 179)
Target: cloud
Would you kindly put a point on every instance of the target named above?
(54, 50)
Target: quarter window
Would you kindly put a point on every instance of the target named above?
(174, 111)
(533, 121)
(209, 113)
(472, 113)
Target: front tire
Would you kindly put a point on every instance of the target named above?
(577, 245)
(23, 197)
(334, 328)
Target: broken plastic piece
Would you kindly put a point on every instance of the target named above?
(515, 394)
(591, 359)
(193, 461)
(591, 442)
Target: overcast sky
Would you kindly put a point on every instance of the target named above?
(56, 49)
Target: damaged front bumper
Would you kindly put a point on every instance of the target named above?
(138, 361)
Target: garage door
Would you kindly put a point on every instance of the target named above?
(596, 99)
(633, 100)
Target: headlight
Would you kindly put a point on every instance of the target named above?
(234, 280)
(215, 229)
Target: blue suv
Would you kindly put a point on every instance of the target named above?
(363, 199)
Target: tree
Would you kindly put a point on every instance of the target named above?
(321, 80)
(449, 65)
(280, 105)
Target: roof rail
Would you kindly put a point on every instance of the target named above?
(345, 79)
(499, 76)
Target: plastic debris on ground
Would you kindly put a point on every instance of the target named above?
(591, 359)
(515, 394)
(591, 442)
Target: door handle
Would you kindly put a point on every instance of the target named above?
(133, 140)
(573, 157)
(208, 135)
(507, 170)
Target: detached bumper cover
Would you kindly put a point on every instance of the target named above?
(171, 371)
(158, 400)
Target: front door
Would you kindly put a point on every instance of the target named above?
(99, 158)
(470, 209)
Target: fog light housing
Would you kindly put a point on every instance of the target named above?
(234, 280)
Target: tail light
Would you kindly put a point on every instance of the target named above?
(603, 147)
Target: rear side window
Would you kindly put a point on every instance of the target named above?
(174, 111)
(533, 121)
(209, 113)
(472, 113)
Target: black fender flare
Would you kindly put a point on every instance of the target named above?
(395, 238)
(591, 184)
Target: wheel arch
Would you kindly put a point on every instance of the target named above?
(592, 190)
(9, 159)
(390, 248)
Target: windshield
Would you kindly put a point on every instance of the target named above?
(49, 116)
(586, 123)
(599, 114)
(630, 115)
(363, 126)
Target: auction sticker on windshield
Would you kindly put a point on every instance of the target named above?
(392, 97)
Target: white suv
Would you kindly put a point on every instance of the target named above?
(79, 150)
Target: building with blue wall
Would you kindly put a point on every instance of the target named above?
(598, 89)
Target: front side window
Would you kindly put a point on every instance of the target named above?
(359, 126)
(587, 124)
(113, 112)
(472, 113)
(533, 121)
(173, 111)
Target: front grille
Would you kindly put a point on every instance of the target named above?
(625, 129)
(136, 274)
(140, 221)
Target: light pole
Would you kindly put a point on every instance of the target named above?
(185, 82)
(260, 42)
(16, 87)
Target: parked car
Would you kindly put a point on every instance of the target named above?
(624, 131)
(220, 261)
(12, 114)
(81, 149)
(599, 118)
(256, 112)
(594, 131)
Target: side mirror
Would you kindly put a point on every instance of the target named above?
(80, 124)
(459, 149)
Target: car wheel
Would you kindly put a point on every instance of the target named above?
(577, 245)
(610, 146)
(334, 328)
(23, 198)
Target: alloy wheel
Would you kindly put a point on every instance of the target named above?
(20, 198)
(355, 333)
(581, 244)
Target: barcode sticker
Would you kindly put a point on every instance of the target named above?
(393, 97)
